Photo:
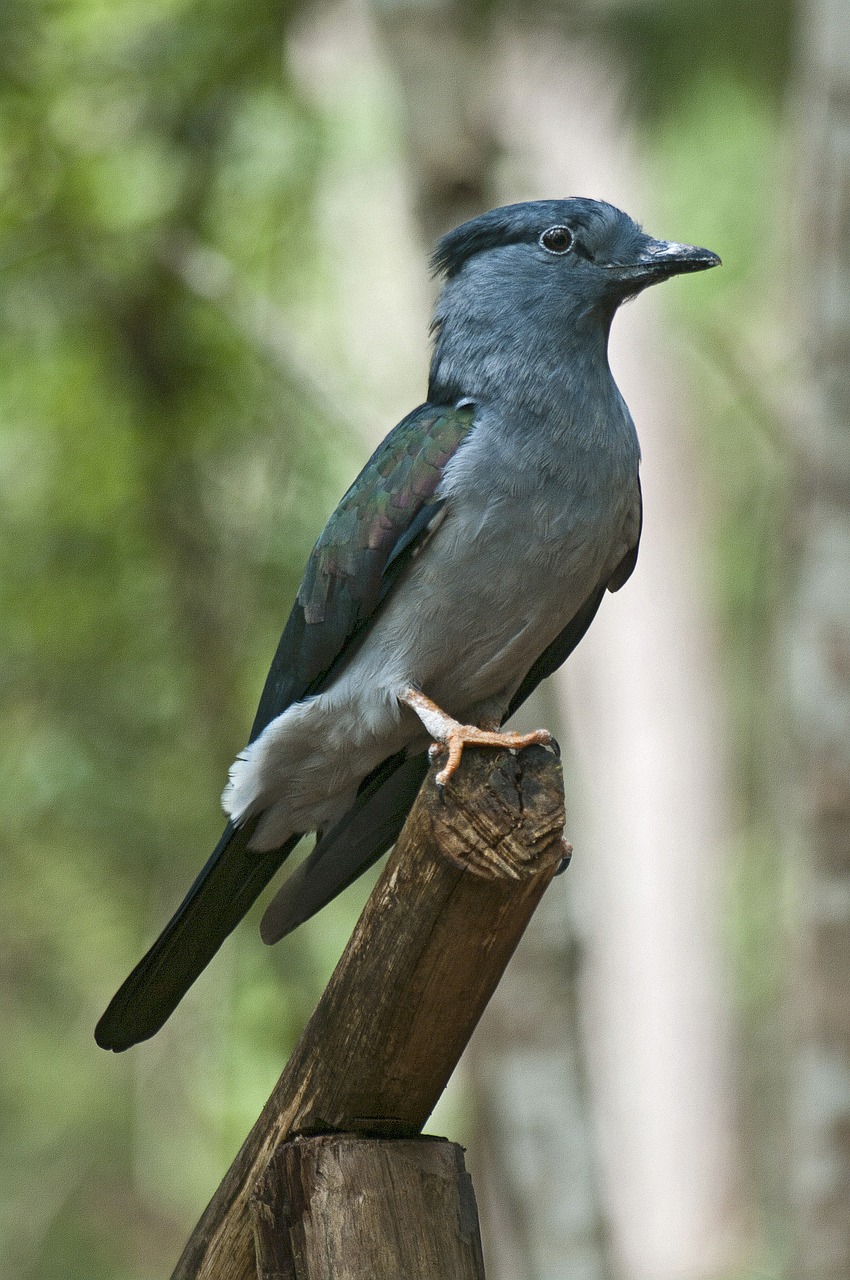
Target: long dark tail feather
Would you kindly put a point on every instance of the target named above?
(369, 828)
(225, 889)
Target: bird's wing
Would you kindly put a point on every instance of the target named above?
(365, 545)
(626, 567)
(363, 548)
(373, 823)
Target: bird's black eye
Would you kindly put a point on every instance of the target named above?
(557, 240)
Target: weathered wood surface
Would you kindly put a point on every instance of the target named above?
(341, 1207)
(423, 961)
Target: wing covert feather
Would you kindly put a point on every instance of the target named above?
(361, 551)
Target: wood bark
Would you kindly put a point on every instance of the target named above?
(427, 953)
(818, 655)
(342, 1208)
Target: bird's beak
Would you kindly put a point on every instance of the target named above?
(659, 259)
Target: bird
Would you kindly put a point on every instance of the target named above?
(462, 567)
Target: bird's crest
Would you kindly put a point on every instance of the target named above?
(499, 226)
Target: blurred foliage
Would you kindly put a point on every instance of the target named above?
(725, 139)
(165, 461)
(671, 44)
(161, 478)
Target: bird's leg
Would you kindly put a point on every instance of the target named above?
(454, 736)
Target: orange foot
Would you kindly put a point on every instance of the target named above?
(450, 734)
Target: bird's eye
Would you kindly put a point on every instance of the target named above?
(557, 240)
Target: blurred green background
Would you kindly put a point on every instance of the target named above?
(180, 406)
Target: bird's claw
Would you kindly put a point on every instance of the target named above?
(566, 856)
(435, 750)
(451, 736)
(554, 746)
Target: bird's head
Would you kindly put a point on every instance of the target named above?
(533, 287)
(587, 249)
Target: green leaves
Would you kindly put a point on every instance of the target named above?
(147, 560)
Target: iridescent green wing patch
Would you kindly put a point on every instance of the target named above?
(361, 551)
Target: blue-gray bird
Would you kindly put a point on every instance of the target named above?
(463, 566)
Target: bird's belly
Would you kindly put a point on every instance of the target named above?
(475, 612)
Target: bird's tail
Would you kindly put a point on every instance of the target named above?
(346, 850)
(233, 877)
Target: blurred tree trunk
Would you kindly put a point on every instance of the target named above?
(655, 996)
(644, 697)
(534, 1157)
(818, 655)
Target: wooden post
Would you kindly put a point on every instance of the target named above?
(434, 938)
(345, 1208)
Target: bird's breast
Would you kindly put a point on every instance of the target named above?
(504, 572)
